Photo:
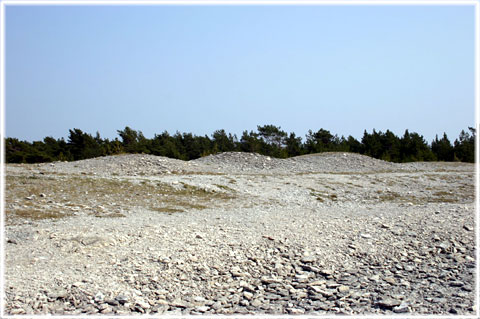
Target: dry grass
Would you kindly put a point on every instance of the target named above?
(36, 214)
(65, 195)
(224, 187)
(322, 197)
(437, 197)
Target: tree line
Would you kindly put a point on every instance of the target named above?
(268, 140)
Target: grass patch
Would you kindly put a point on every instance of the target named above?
(437, 197)
(83, 193)
(196, 173)
(109, 215)
(167, 210)
(321, 197)
(224, 187)
(37, 214)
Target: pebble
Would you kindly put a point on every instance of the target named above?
(202, 308)
(308, 259)
(142, 303)
(247, 295)
(122, 299)
(17, 311)
(99, 297)
(388, 302)
(456, 283)
(343, 289)
(402, 308)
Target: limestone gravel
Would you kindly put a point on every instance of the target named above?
(239, 233)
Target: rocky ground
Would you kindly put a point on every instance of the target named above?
(239, 233)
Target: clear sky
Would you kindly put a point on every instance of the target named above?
(201, 68)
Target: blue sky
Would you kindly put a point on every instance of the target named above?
(201, 68)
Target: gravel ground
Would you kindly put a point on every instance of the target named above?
(240, 233)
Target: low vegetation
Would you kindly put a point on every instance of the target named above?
(35, 197)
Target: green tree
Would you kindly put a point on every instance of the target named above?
(16, 151)
(372, 145)
(272, 141)
(354, 145)
(134, 142)
(414, 148)
(249, 142)
(294, 145)
(223, 142)
(82, 145)
(320, 141)
(272, 135)
(442, 148)
(464, 146)
(390, 146)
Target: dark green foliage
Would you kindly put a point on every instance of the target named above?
(165, 145)
(83, 145)
(387, 146)
(268, 140)
(324, 141)
(321, 141)
(294, 145)
(464, 149)
(413, 147)
(222, 142)
(134, 141)
(272, 135)
(249, 142)
(354, 146)
(443, 149)
(380, 145)
(272, 141)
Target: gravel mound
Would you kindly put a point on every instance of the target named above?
(322, 162)
(126, 164)
(341, 162)
(234, 162)
(241, 162)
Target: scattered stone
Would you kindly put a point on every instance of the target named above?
(58, 294)
(439, 300)
(388, 302)
(202, 308)
(456, 283)
(178, 304)
(308, 259)
(326, 272)
(142, 303)
(99, 297)
(247, 295)
(17, 311)
(343, 289)
(296, 311)
(121, 299)
(402, 308)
